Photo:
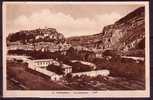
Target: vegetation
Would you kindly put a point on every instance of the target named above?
(78, 67)
(118, 66)
(57, 69)
(80, 54)
(112, 53)
(128, 68)
(123, 67)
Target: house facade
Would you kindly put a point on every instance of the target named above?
(43, 63)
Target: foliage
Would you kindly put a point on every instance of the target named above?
(56, 69)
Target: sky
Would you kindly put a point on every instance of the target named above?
(69, 19)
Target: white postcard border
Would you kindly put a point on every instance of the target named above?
(81, 94)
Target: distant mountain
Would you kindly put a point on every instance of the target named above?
(88, 41)
(126, 33)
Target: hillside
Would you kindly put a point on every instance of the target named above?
(126, 33)
(47, 39)
(37, 35)
(89, 41)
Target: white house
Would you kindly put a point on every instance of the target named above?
(42, 64)
(52, 75)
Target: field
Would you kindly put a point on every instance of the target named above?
(19, 78)
(18, 75)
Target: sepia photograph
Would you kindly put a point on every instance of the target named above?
(76, 49)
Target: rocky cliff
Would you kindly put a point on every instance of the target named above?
(126, 33)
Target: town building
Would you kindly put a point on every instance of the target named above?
(43, 63)
(52, 75)
(67, 69)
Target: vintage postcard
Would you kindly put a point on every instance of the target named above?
(76, 49)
